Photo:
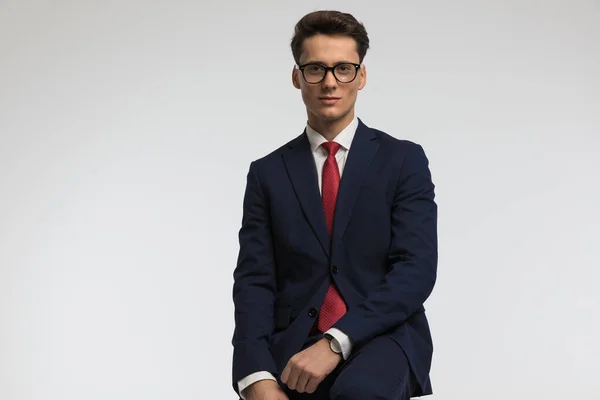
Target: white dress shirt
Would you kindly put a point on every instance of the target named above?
(340, 340)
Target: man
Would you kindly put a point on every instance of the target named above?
(338, 244)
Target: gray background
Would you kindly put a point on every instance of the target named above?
(126, 131)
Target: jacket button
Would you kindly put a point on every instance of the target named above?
(334, 269)
(312, 312)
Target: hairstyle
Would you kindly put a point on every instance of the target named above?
(329, 23)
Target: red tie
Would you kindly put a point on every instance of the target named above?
(333, 307)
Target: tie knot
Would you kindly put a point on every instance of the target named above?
(331, 147)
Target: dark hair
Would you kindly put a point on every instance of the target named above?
(329, 23)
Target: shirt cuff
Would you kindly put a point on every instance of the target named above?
(253, 378)
(341, 341)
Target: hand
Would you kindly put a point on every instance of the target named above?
(265, 390)
(307, 369)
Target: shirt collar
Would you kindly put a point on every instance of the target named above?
(344, 138)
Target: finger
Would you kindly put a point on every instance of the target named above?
(312, 385)
(303, 380)
(293, 378)
(285, 375)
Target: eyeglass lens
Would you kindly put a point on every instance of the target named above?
(314, 73)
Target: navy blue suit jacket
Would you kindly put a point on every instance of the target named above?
(382, 255)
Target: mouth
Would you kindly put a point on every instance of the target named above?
(329, 100)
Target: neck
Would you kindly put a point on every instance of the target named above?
(330, 128)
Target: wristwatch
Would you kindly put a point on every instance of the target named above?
(333, 344)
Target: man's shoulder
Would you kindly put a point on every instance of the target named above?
(394, 143)
(397, 151)
(274, 156)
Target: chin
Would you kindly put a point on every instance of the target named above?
(330, 114)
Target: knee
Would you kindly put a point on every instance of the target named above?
(342, 392)
(354, 390)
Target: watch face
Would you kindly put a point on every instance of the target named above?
(332, 346)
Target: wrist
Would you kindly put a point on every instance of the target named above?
(260, 386)
(333, 346)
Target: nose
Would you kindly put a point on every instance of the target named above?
(329, 80)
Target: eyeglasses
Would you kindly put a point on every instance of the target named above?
(342, 72)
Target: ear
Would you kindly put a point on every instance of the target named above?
(362, 73)
(295, 79)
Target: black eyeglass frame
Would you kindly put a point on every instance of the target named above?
(327, 69)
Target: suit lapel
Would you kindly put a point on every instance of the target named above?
(361, 153)
(300, 165)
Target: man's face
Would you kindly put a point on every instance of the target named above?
(329, 100)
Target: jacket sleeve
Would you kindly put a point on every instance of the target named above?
(254, 286)
(412, 256)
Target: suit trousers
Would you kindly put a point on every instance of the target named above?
(366, 375)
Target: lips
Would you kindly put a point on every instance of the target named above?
(329, 100)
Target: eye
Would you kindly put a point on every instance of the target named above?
(344, 68)
(314, 69)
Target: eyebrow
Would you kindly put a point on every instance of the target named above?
(323, 63)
